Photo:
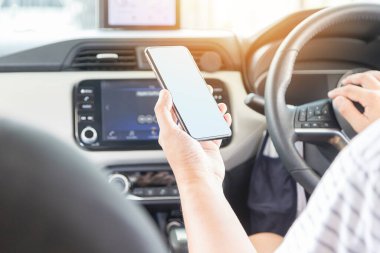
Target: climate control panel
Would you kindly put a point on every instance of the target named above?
(144, 182)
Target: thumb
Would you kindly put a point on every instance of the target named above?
(163, 111)
(345, 106)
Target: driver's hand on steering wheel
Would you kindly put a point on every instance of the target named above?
(192, 161)
(368, 95)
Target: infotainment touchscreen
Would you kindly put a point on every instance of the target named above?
(140, 14)
(127, 110)
(118, 114)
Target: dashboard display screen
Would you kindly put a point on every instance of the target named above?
(127, 110)
(142, 13)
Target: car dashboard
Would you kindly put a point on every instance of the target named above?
(56, 87)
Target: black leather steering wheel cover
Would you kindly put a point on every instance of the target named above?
(279, 117)
(54, 200)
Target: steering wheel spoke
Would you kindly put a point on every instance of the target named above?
(315, 122)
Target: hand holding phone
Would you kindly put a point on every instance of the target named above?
(194, 106)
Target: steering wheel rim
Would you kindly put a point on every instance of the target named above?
(281, 118)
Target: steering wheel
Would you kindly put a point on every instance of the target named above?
(54, 200)
(315, 121)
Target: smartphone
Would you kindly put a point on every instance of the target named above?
(194, 105)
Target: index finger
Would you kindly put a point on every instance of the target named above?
(375, 73)
(352, 92)
(357, 120)
(367, 80)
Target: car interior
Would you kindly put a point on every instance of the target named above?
(80, 152)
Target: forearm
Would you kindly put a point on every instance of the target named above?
(266, 242)
(211, 224)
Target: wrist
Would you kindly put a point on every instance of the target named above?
(199, 182)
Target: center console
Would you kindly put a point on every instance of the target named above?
(154, 186)
(118, 114)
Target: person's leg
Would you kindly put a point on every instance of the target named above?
(272, 197)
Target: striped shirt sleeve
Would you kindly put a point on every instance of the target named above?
(343, 214)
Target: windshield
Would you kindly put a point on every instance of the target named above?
(244, 17)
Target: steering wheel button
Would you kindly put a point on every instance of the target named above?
(315, 125)
(305, 125)
(310, 113)
(320, 118)
(325, 117)
(302, 115)
(318, 112)
(326, 125)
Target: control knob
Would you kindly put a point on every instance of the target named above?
(88, 135)
(120, 181)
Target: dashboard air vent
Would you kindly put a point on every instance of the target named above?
(120, 58)
(207, 60)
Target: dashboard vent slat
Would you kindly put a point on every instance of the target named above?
(202, 58)
(120, 58)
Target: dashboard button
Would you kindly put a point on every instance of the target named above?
(89, 118)
(86, 98)
(138, 192)
(86, 91)
(86, 106)
(141, 119)
(149, 119)
(150, 192)
(173, 191)
(162, 191)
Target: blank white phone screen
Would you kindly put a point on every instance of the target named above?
(194, 103)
